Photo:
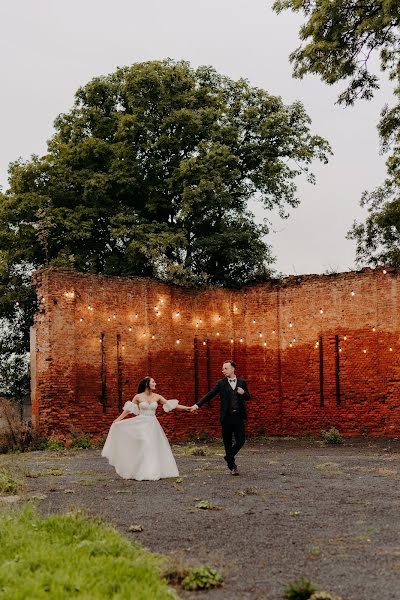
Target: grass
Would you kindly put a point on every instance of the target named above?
(72, 556)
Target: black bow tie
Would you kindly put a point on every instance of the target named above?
(232, 380)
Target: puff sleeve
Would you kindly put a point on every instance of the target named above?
(131, 407)
(170, 405)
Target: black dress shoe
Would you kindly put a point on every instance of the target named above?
(234, 471)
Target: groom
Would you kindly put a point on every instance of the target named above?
(233, 392)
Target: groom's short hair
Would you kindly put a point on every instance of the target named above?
(232, 362)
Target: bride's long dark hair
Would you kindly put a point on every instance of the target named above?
(144, 384)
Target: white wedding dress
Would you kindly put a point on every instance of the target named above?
(138, 448)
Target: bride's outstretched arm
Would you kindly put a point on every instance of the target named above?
(178, 406)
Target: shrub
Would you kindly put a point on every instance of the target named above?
(202, 578)
(8, 485)
(43, 443)
(81, 441)
(332, 436)
(299, 590)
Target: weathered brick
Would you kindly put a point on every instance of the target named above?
(94, 337)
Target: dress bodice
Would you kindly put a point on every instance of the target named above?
(148, 409)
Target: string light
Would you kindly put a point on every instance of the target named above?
(345, 337)
(254, 320)
(265, 343)
(373, 329)
(365, 352)
(290, 345)
(290, 324)
(177, 314)
(114, 317)
(241, 340)
(231, 341)
(384, 271)
(123, 347)
(321, 311)
(260, 334)
(130, 328)
(353, 293)
(204, 343)
(69, 295)
(273, 331)
(390, 349)
(109, 319)
(81, 319)
(178, 341)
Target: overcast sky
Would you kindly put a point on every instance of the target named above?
(51, 47)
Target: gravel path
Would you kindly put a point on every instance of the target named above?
(299, 508)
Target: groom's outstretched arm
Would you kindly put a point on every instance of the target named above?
(209, 396)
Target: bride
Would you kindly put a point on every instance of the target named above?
(138, 448)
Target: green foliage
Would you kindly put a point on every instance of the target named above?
(51, 444)
(149, 174)
(332, 436)
(8, 484)
(81, 441)
(202, 578)
(338, 39)
(299, 590)
(67, 556)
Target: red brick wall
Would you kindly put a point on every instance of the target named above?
(93, 341)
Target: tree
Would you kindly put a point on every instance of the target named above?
(150, 174)
(339, 38)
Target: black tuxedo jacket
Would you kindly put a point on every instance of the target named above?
(223, 388)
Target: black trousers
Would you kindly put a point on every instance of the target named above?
(233, 426)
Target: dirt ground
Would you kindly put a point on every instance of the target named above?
(299, 508)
